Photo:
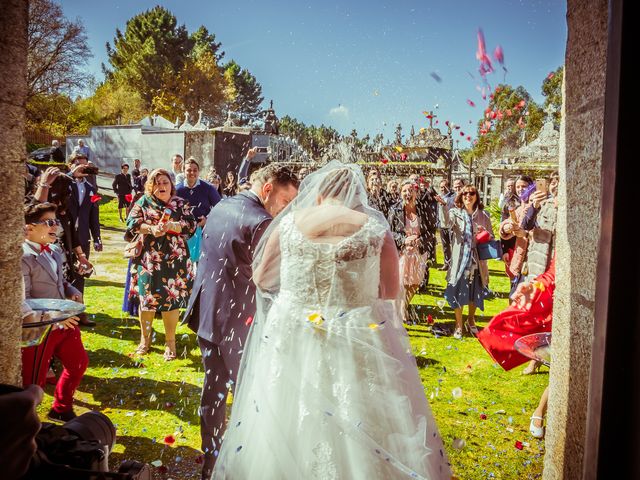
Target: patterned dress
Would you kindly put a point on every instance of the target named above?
(162, 276)
(413, 265)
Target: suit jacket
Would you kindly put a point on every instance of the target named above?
(430, 204)
(122, 184)
(40, 281)
(223, 295)
(84, 216)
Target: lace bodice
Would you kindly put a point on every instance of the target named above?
(343, 274)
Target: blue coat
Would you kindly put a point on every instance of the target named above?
(223, 295)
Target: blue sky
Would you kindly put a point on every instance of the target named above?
(362, 64)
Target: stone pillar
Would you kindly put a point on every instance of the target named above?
(578, 231)
(13, 89)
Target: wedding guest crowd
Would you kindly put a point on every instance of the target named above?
(166, 210)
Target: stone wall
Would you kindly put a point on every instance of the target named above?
(157, 148)
(578, 231)
(13, 91)
(229, 151)
(200, 144)
(111, 146)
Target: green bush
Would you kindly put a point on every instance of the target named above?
(34, 146)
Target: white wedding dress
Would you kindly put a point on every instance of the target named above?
(328, 387)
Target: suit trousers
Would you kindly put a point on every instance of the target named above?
(67, 346)
(221, 363)
(445, 238)
(78, 280)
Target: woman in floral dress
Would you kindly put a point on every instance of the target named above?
(162, 275)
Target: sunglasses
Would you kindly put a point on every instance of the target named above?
(48, 222)
(471, 194)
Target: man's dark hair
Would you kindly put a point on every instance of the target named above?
(191, 160)
(525, 178)
(124, 165)
(33, 212)
(276, 174)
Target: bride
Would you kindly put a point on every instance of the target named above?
(328, 388)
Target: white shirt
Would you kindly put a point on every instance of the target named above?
(186, 184)
(47, 255)
(82, 188)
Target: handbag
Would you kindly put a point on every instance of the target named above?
(489, 250)
(133, 249)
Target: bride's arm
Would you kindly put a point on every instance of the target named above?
(389, 269)
(266, 274)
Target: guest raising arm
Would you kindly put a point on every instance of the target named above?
(468, 277)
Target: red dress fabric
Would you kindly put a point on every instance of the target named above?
(512, 323)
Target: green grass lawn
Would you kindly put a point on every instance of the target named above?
(149, 399)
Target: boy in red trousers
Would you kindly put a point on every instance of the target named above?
(42, 274)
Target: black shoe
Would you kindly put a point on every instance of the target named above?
(207, 466)
(61, 416)
(84, 321)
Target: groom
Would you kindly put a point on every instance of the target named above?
(222, 303)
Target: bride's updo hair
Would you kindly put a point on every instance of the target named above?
(339, 184)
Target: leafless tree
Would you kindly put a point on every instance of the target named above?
(58, 51)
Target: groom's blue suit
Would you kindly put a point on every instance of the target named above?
(222, 300)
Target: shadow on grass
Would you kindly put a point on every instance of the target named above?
(128, 330)
(112, 229)
(92, 282)
(497, 295)
(146, 450)
(425, 362)
(133, 392)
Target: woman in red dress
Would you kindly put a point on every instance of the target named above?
(531, 312)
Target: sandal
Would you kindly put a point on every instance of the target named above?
(457, 334)
(141, 350)
(471, 328)
(533, 367)
(170, 350)
(143, 347)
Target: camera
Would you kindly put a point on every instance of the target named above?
(80, 449)
(90, 170)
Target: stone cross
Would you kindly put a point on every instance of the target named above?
(550, 110)
(431, 117)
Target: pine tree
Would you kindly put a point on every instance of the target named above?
(150, 53)
(245, 90)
